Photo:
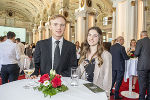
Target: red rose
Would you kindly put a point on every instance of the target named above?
(56, 81)
(57, 75)
(44, 78)
(132, 55)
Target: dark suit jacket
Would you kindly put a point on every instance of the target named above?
(142, 51)
(43, 57)
(119, 56)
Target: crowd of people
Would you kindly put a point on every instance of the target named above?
(97, 62)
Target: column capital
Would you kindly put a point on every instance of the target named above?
(146, 8)
(114, 9)
(84, 18)
(132, 3)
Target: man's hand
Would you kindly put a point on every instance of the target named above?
(35, 77)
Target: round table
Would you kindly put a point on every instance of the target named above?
(130, 70)
(15, 91)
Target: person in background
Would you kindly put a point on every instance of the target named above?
(33, 48)
(26, 46)
(142, 51)
(10, 55)
(2, 39)
(114, 41)
(95, 64)
(29, 51)
(119, 56)
(56, 52)
(129, 51)
(21, 46)
(107, 46)
(78, 49)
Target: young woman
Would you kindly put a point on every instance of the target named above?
(132, 50)
(95, 64)
(132, 46)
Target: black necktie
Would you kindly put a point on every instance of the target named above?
(56, 55)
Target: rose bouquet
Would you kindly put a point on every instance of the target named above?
(51, 84)
(131, 55)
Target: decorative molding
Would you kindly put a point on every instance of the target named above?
(84, 18)
(92, 13)
(114, 9)
(72, 26)
(146, 8)
(95, 20)
(89, 3)
(132, 3)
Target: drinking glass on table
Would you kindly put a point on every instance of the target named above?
(28, 68)
(74, 76)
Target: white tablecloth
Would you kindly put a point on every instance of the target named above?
(130, 68)
(15, 91)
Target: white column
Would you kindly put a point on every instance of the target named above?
(144, 14)
(40, 30)
(47, 33)
(82, 27)
(75, 30)
(30, 37)
(67, 33)
(133, 14)
(114, 24)
(140, 17)
(124, 24)
(34, 33)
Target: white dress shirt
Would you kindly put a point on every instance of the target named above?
(78, 53)
(9, 52)
(54, 46)
(21, 47)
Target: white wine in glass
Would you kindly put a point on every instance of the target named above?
(28, 68)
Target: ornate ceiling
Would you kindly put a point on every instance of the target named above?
(36, 10)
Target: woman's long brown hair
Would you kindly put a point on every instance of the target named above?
(86, 47)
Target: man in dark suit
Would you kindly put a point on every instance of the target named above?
(56, 52)
(142, 51)
(118, 65)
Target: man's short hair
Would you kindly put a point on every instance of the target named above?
(119, 38)
(10, 35)
(144, 33)
(56, 16)
(18, 39)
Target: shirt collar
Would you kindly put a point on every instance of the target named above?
(118, 43)
(53, 40)
(8, 40)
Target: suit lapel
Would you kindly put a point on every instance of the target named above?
(50, 49)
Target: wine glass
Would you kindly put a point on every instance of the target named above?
(28, 68)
